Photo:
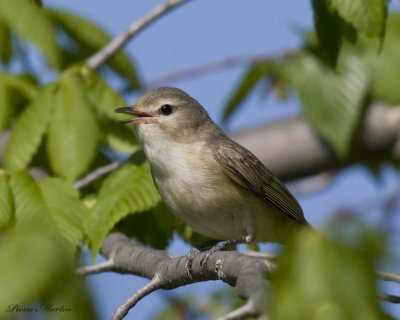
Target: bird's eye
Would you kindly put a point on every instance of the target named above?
(166, 109)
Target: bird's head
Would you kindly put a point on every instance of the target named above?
(168, 111)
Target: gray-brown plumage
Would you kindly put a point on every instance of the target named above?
(213, 184)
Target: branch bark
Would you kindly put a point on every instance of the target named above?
(247, 273)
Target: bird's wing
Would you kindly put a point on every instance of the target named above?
(244, 168)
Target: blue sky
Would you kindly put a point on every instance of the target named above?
(203, 31)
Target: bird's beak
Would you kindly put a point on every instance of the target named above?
(132, 111)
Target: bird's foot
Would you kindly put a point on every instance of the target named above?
(221, 245)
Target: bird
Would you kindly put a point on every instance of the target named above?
(213, 184)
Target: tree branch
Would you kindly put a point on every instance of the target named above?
(214, 66)
(244, 272)
(248, 274)
(108, 51)
(97, 174)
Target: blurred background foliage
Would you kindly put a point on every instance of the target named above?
(61, 121)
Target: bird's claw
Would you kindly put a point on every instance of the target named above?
(218, 247)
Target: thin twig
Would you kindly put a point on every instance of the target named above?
(108, 51)
(96, 174)
(388, 276)
(389, 298)
(97, 268)
(215, 66)
(123, 309)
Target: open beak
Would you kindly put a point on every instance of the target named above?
(131, 110)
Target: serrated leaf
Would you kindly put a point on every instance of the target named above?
(30, 209)
(102, 96)
(91, 37)
(128, 190)
(332, 101)
(5, 42)
(6, 202)
(73, 132)
(119, 137)
(31, 23)
(367, 16)
(248, 82)
(29, 129)
(65, 208)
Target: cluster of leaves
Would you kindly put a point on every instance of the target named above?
(335, 75)
(41, 230)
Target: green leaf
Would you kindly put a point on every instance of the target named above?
(327, 26)
(5, 43)
(128, 190)
(101, 95)
(249, 81)
(320, 279)
(367, 16)
(5, 104)
(159, 220)
(386, 64)
(92, 38)
(30, 209)
(73, 132)
(31, 23)
(23, 83)
(119, 137)
(6, 202)
(36, 267)
(65, 208)
(332, 101)
(29, 129)
(106, 100)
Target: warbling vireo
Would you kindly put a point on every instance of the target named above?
(213, 184)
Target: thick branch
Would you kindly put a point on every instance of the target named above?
(116, 44)
(245, 273)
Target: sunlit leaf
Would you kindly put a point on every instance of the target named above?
(31, 23)
(29, 129)
(65, 208)
(30, 209)
(386, 64)
(368, 16)
(128, 190)
(332, 101)
(73, 132)
(6, 202)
